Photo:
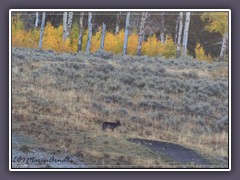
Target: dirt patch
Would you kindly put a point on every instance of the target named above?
(178, 153)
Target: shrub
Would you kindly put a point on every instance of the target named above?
(169, 49)
(111, 43)
(123, 111)
(52, 39)
(222, 125)
(97, 106)
(152, 47)
(156, 115)
(132, 44)
(95, 41)
(74, 37)
(153, 104)
(103, 54)
(127, 78)
(200, 53)
(199, 108)
(191, 74)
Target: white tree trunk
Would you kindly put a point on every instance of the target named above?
(103, 35)
(69, 23)
(176, 30)
(65, 15)
(126, 34)
(80, 31)
(224, 46)
(141, 33)
(185, 34)
(42, 30)
(37, 19)
(162, 33)
(179, 35)
(117, 23)
(89, 32)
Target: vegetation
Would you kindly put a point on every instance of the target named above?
(217, 21)
(213, 24)
(113, 43)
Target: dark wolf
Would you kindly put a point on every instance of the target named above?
(110, 125)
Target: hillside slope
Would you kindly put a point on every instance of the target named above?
(62, 99)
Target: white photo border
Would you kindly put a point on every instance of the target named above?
(117, 10)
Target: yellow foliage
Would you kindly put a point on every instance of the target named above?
(132, 44)
(74, 44)
(152, 47)
(84, 40)
(32, 38)
(20, 37)
(111, 43)
(120, 41)
(52, 39)
(169, 48)
(200, 54)
(114, 43)
(217, 21)
(96, 41)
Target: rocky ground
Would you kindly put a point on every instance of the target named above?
(27, 154)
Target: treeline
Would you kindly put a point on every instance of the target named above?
(124, 35)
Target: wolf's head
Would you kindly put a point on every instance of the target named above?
(118, 123)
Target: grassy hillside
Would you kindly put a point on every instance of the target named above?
(62, 99)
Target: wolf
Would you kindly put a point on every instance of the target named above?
(110, 125)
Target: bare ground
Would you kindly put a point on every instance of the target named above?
(26, 153)
(180, 154)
